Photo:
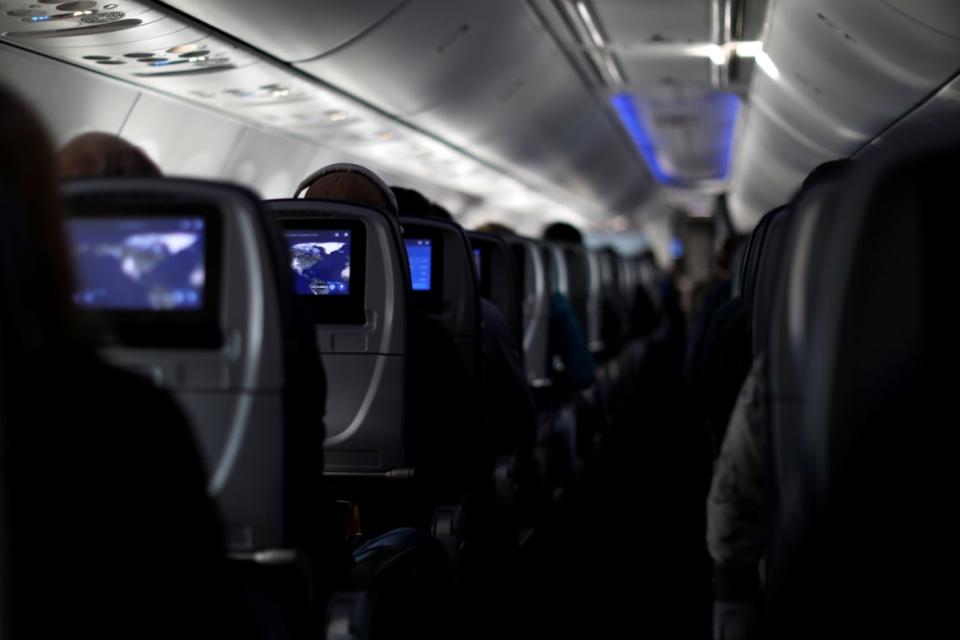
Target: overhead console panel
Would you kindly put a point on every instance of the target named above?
(488, 77)
(153, 47)
(292, 30)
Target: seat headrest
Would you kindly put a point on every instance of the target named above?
(877, 290)
(750, 267)
(347, 167)
(872, 467)
(768, 278)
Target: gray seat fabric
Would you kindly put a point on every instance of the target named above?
(536, 308)
(366, 405)
(234, 390)
(499, 278)
(458, 302)
(104, 501)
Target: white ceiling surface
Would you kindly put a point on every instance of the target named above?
(682, 110)
(486, 76)
(198, 67)
(68, 102)
(627, 21)
(291, 30)
(848, 69)
(182, 138)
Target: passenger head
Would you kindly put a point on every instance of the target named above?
(97, 154)
(411, 202)
(724, 254)
(440, 212)
(563, 232)
(496, 228)
(349, 183)
(31, 223)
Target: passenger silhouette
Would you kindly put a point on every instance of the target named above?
(103, 155)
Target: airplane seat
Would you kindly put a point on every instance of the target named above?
(737, 588)
(535, 309)
(596, 400)
(727, 352)
(536, 286)
(577, 288)
(643, 314)
(473, 450)
(568, 432)
(865, 515)
(209, 330)
(449, 295)
(613, 328)
(506, 377)
(594, 286)
(358, 309)
(219, 329)
(88, 451)
(446, 323)
(498, 277)
(343, 263)
(792, 309)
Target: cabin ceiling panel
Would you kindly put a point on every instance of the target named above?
(845, 72)
(292, 30)
(95, 103)
(655, 20)
(427, 53)
(181, 138)
(641, 70)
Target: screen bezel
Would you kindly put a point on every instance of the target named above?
(191, 329)
(333, 309)
(432, 300)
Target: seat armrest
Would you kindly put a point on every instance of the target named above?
(348, 616)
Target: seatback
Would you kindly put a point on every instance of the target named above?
(594, 327)
(870, 521)
(613, 306)
(788, 353)
(629, 276)
(94, 458)
(219, 346)
(498, 277)
(768, 279)
(578, 286)
(753, 257)
(448, 293)
(360, 324)
(536, 307)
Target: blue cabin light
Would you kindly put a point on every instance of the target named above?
(630, 112)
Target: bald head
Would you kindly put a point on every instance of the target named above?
(496, 228)
(348, 187)
(103, 155)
